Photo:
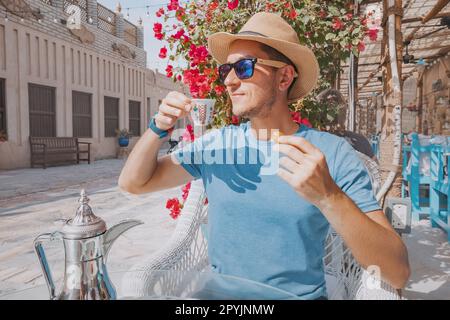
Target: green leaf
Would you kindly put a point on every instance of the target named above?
(356, 30)
(330, 36)
(333, 10)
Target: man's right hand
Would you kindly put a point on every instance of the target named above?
(173, 107)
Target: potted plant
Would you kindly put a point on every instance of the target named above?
(123, 137)
(3, 136)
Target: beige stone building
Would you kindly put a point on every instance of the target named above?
(56, 81)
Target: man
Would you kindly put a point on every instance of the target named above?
(271, 227)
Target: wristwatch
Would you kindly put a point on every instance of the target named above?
(161, 133)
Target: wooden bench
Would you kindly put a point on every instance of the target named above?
(45, 150)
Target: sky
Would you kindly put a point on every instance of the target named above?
(151, 45)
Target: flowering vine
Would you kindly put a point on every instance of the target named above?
(329, 28)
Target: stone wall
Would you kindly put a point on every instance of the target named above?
(51, 25)
(45, 53)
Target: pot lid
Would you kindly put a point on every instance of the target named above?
(85, 224)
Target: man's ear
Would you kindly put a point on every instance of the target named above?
(286, 77)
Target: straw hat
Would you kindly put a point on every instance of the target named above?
(274, 31)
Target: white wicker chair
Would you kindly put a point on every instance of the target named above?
(187, 251)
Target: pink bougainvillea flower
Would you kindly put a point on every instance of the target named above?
(322, 14)
(174, 206)
(213, 5)
(373, 34)
(163, 53)
(173, 5)
(157, 27)
(361, 46)
(160, 12)
(169, 71)
(306, 122)
(186, 39)
(198, 54)
(180, 14)
(179, 34)
(185, 191)
(337, 24)
(296, 116)
(219, 90)
(293, 14)
(298, 119)
(188, 134)
(232, 4)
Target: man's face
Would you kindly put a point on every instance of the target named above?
(255, 96)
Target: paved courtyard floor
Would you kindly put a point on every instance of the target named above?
(34, 201)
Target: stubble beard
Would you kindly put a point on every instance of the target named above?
(262, 110)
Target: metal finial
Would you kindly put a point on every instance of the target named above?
(118, 8)
(83, 197)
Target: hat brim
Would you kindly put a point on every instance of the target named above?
(301, 56)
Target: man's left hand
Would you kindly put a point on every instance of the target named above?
(306, 170)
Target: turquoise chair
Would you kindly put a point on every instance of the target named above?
(439, 189)
(418, 184)
(375, 144)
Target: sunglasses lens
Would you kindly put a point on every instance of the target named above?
(224, 70)
(244, 69)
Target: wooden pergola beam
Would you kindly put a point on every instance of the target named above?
(430, 15)
(417, 19)
(435, 10)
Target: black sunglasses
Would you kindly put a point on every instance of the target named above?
(245, 68)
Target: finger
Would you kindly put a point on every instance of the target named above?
(301, 143)
(176, 102)
(164, 119)
(286, 176)
(289, 164)
(172, 111)
(291, 152)
(179, 96)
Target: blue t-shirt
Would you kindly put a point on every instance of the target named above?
(259, 228)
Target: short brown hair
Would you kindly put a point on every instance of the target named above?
(274, 54)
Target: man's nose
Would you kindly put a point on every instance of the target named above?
(231, 79)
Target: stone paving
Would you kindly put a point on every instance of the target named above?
(34, 201)
(45, 198)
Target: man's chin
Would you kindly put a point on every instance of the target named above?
(241, 111)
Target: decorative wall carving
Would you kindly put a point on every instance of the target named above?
(83, 34)
(21, 9)
(124, 51)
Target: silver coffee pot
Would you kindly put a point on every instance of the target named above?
(86, 244)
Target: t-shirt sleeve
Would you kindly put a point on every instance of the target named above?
(352, 177)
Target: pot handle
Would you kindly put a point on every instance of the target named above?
(39, 249)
